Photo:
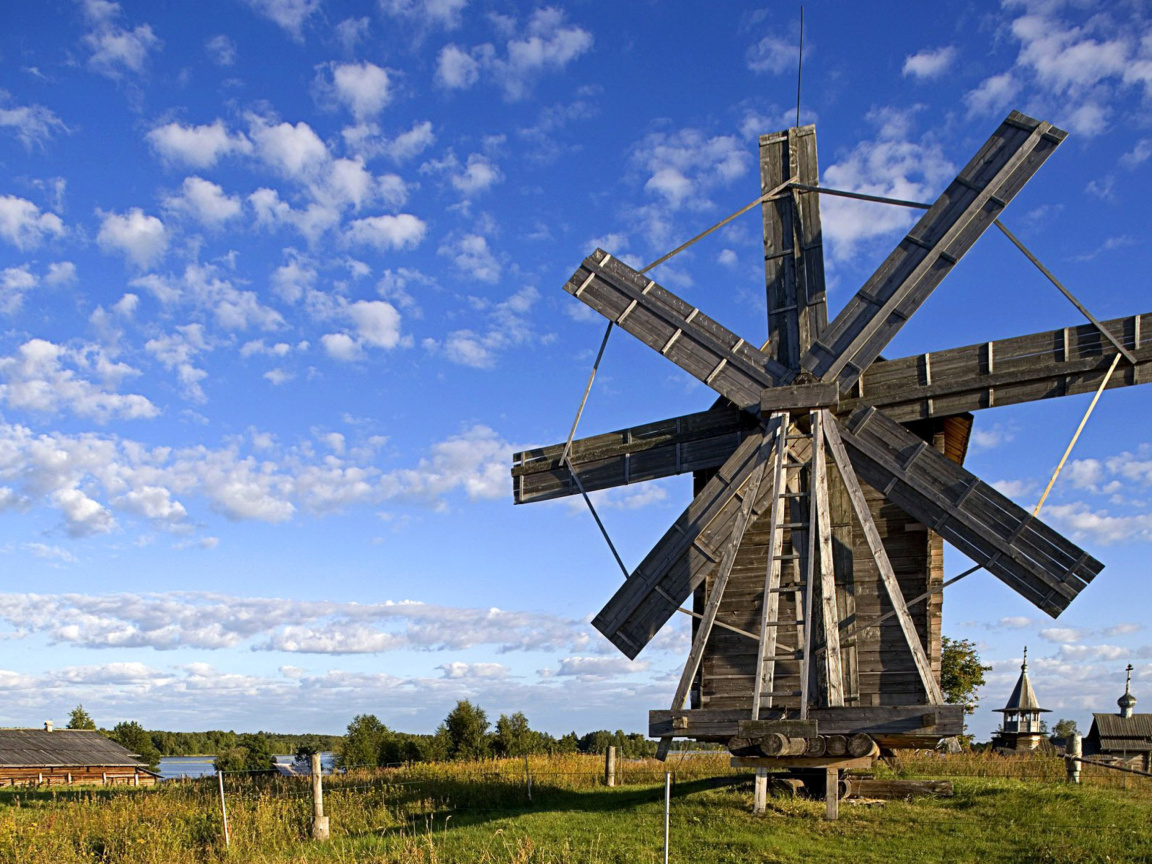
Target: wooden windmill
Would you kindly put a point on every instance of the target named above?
(801, 570)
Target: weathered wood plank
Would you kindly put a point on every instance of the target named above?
(925, 720)
(793, 253)
(876, 545)
(942, 236)
(1030, 557)
(822, 557)
(700, 346)
(766, 652)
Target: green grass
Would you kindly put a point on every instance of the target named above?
(1003, 810)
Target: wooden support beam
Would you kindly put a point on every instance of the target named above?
(968, 207)
(822, 553)
(766, 651)
(876, 547)
(880, 721)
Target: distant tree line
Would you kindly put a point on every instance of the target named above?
(467, 734)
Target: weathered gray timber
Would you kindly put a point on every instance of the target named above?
(800, 566)
(967, 208)
(793, 246)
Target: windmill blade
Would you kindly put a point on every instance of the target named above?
(693, 442)
(969, 206)
(686, 553)
(1007, 371)
(703, 348)
(1041, 565)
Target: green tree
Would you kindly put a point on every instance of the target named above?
(132, 737)
(961, 673)
(80, 719)
(467, 726)
(514, 737)
(362, 742)
(1065, 729)
(252, 752)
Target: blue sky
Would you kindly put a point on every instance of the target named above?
(280, 293)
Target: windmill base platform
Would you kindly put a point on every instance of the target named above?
(890, 726)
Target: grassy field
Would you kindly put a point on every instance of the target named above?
(1004, 810)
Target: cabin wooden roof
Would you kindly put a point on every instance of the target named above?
(33, 748)
(1113, 726)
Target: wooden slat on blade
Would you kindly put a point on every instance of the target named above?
(705, 349)
(1044, 567)
(693, 442)
(1007, 371)
(969, 206)
(682, 558)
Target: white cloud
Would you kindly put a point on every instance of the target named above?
(426, 13)
(402, 231)
(176, 352)
(480, 173)
(342, 347)
(456, 69)
(377, 322)
(546, 44)
(197, 146)
(930, 63)
(23, 224)
(115, 50)
(291, 15)
(83, 516)
(993, 95)
(36, 379)
(892, 165)
(294, 150)
(599, 668)
(774, 54)
(471, 255)
(205, 202)
(311, 221)
(51, 553)
(1138, 155)
(142, 239)
(221, 49)
(507, 327)
(683, 167)
(459, 671)
(366, 140)
(364, 88)
(60, 273)
(34, 125)
(15, 282)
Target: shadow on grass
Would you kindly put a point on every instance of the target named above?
(464, 810)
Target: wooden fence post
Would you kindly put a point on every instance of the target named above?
(610, 766)
(223, 809)
(760, 791)
(320, 830)
(1072, 762)
(527, 777)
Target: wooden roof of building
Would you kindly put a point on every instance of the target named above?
(33, 748)
(1138, 727)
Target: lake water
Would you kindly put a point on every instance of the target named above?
(172, 767)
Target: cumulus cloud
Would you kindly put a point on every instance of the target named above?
(930, 63)
(290, 15)
(293, 150)
(221, 49)
(205, 202)
(34, 125)
(507, 327)
(363, 88)
(113, 49)
(471, 256)
(197, 146)
(401, 231)
(366, 140)
(15, 282)
(141, 238)
(894, 164)
(24, 225)
(547, 43)
(205, 621)
(46, 378)
(774, 55)
(443, 14)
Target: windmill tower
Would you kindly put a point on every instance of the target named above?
(826, 477)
